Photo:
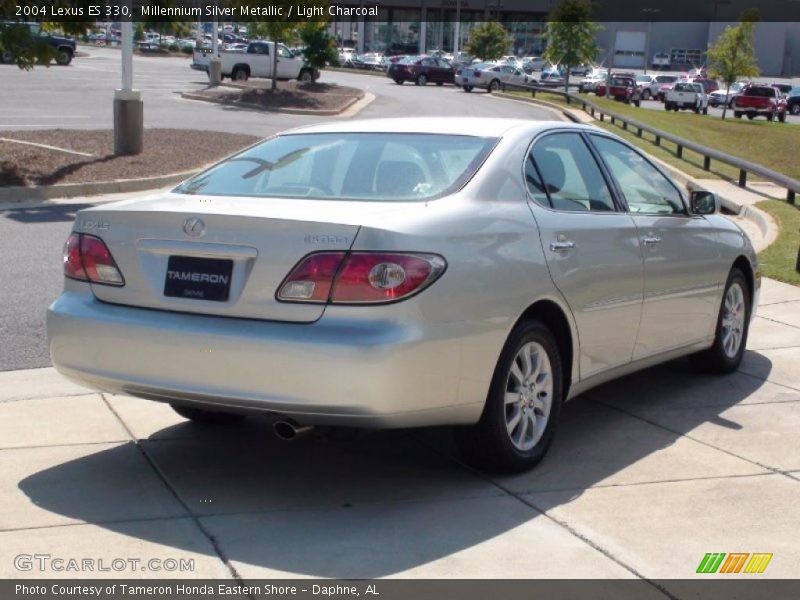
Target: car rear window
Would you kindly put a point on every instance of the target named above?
(347, 166)
(760, 92)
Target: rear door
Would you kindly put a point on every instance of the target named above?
(591, 247)
(683, 268)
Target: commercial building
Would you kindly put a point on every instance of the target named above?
(427, 25)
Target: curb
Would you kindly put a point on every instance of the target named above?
(290, 111)
(564, 111)
(69, 190)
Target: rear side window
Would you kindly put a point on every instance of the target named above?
(562, 174)
(347, 166)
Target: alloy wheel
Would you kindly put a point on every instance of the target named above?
(733, 320)
(529, 396)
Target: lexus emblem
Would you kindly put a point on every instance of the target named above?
(194, 227)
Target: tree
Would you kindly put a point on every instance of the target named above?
(319, 48)
(488, 41)
(570, 36)
(733, 56)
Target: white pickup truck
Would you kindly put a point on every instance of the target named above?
(256, 61)
(688, 95)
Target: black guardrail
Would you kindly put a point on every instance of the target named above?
(792, 186)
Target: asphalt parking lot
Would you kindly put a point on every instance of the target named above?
(646, 476)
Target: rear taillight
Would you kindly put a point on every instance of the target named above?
(360, 277)
(87, 258)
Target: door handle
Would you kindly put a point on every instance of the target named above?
(560, 245)
(651, 240)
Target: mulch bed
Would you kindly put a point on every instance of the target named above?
(166, 151)
(289, 94)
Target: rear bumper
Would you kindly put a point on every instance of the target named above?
(337, 371)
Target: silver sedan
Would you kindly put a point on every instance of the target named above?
(405, 273)
(491, 77)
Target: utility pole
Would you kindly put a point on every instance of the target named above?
(458, 30)
(128, 106)
(215, 64)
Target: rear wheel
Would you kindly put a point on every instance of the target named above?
(198, 415)
(239, 74)
(440, 83)
(522, 407)
(737, 114)
(751, 116)
(733, 324)
(398, 81)
(6, 57)
(494, 85)
(63, 57)
(795, 109)
(646, 95)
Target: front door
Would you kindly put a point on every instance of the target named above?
(682, 276)
(591, 247)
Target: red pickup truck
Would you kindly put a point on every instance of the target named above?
(623, 89)
(758, 100)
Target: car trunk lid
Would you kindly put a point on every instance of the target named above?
(222, 256)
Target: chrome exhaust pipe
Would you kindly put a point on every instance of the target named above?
(288, 430)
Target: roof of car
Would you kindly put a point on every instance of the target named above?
(477, 126)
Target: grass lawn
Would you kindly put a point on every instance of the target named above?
(770, 144)
(778, 261)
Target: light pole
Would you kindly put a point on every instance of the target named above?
(215, 64)
(458, 30)
(649, 32)
(128, 106)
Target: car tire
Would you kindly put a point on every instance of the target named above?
(667, 106)
(6, 57)
(467, 88)
(497, 443)
(422, 79)
(207, 417)
(751, 116)
(306, 76)
(239, 74)
(440, 83)
(795, 109)
(63, 57)
(737, 114)
(782, 117)
(494, 85)
(733, 324)
(399, 81)
(646, 95)
(770, 117)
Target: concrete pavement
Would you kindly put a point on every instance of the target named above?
(647, 474)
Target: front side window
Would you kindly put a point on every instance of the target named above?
(562, 174)
(347, 166)
(645, 188)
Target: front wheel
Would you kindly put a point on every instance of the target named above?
(239, 75)
(522, 407)
(494, 86)
(795, 109)
(646, 95)
(737, 114)
(467, 88)
(306, 76)
(207, 417)
(6, 57)
(733, 323)
(399, 81)
(422, 80)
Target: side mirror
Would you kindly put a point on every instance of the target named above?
(703, 202)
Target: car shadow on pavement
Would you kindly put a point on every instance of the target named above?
(53, 213)
(394, 501)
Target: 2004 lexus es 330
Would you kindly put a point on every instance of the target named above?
(403, 273)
